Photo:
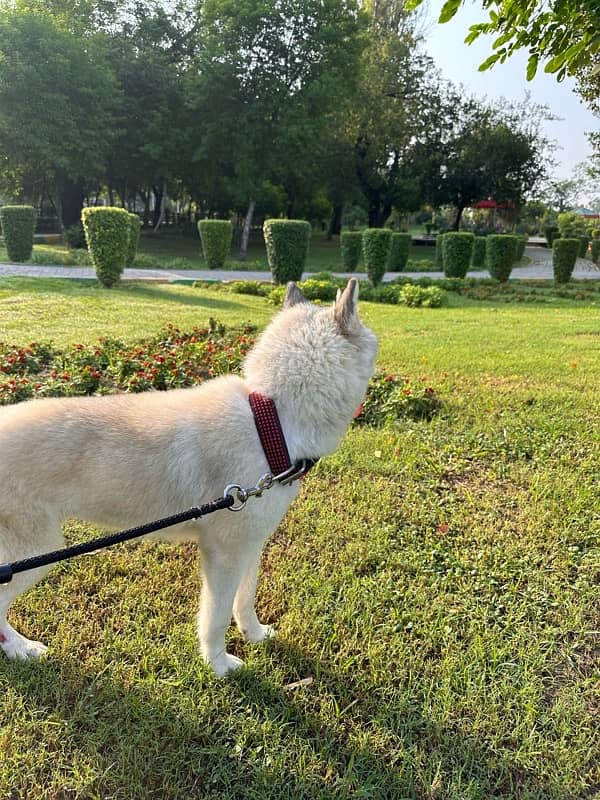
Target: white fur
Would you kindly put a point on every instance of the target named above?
(122, 460)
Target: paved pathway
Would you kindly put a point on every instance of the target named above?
(540, 268)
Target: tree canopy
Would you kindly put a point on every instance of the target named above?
(294, 107)
(564, 35)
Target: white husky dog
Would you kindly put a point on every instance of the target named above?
(122, 460)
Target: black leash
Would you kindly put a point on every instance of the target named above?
(8, 570)
(233, 494)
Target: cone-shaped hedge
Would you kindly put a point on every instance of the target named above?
(457, 252)
(500, 255)
(584, 243)
(399, 250)
(215, 236)
(376, 247)
(439, 251)
(135, 224)
(478, 255)
(596, 251)
(287, 242)
(522, 240)
(351, 246)
(564, 256)
(18, 227)
(551, 232)
(107, 232)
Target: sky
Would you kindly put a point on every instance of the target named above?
(459, 63)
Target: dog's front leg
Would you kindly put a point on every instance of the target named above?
(221, 575)
(244, 611)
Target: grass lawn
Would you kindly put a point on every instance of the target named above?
(435, 589)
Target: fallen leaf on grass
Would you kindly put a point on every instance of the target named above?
(298, 684)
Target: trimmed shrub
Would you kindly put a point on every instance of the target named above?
(107, 232)
(135, 225)
(522, 240)
(399, 249)
(18, 226)
(500, 254)
(572, 225)
(287, 242)
(564, 256)
(416, 296)
(584, 243)
(551, 232)
(457, 249)
(215, 236)
(478, 255)
(376, 247)
(439, 251)
(596, 251)
(351, 245)
(75, 237)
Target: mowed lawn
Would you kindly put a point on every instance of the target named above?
(435, 589)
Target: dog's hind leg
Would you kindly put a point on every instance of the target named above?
(14, 644)
(244, 611)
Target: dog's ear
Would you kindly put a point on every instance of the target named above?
(293, 296)
(346, 306)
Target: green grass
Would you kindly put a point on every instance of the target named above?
(436, 581)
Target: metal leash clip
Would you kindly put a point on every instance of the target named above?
(241, 495)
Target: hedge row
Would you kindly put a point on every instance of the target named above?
(500, 255)
(564, 256)
(112, 236)
(215, 237)
(18, 226)
(380, 249)
(287, 242)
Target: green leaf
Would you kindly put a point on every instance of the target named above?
(449, 9)
(489, 62)
(532, 66)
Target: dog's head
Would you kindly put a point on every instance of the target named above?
(315, 362)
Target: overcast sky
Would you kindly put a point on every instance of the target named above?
(459, 62)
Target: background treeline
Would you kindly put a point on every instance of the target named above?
(302, 108)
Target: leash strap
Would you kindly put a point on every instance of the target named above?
(235, 497)
(8, 570)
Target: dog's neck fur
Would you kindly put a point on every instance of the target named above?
(315, 364)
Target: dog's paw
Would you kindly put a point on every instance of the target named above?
(19, 648)
(260, 634)
(226, 664)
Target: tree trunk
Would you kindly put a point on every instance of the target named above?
(159, 209)
(335, 223)
(246, 228)
(72, 196)
(146, 199)
(376, 215)
(459, 213)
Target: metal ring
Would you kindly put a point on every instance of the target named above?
(235, 490)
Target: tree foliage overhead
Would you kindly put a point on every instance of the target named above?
(562, 34)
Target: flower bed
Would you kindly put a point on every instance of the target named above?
(172, 359)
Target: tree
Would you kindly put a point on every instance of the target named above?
(480, 152)
(57, 105)
(271, 78)
(151, 146)
(386, 112)
(565, 34)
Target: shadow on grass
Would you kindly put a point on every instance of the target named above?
(82, 287)
(258, 739)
